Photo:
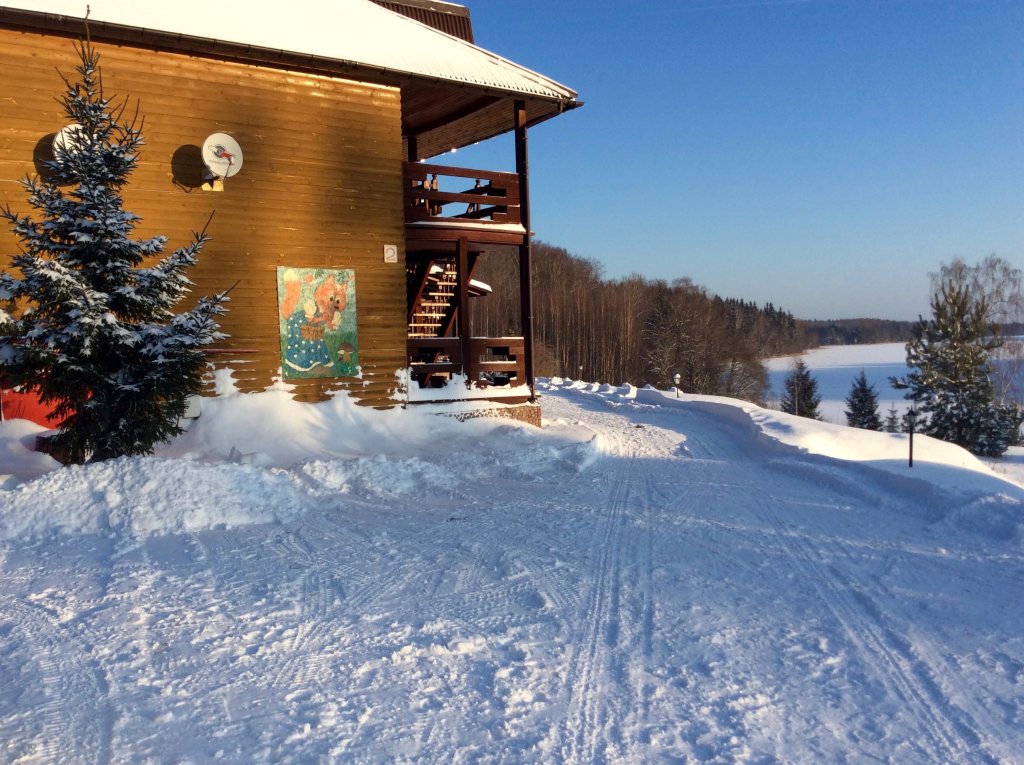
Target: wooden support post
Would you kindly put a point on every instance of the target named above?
(413, 148)
(525, 249)
(463, 324)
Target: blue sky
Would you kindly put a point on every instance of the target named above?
(824, 155)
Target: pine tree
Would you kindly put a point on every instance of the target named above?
(950, 382)
(95, 336)
(862, 405)
(801, 393)
(892, 420)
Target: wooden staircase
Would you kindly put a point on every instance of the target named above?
(436, 349)
(432, 310)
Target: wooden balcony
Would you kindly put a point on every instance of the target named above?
(442, 202)
(495, 364)
(453, 216)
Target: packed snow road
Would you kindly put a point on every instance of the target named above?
(643, 583)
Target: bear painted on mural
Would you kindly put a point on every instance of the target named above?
(317, 333)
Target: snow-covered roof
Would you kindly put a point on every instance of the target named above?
(351, 31)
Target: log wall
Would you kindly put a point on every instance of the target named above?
(320, 186)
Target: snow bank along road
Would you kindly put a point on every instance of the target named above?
(640, 583)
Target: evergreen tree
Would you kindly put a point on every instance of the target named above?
(1000, 287)
(95, 335)
(862, 405)
(801, 393)
(950, 382)
(892, 420)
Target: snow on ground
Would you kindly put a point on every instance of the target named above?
(645, 579)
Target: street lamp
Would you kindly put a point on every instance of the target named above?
(676, 378)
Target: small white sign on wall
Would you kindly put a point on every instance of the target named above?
(390, 253)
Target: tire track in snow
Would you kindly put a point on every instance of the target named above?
(554, 587)
(917, 656)
(688, 714)
(318, 591)
(76, 719)
(417, 571)
(968, 702)
(951, 734)
(641, 626)
(619, 607)
(587, 711)
(646, 578)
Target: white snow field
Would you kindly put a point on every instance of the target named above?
(647, 579)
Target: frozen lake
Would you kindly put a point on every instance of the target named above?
(836, 366)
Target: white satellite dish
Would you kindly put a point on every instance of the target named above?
(69, 139)
(222, 154)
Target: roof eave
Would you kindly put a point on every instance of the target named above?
(105, 31)
(457, 130)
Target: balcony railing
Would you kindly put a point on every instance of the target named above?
(493, 361)
(436, 193)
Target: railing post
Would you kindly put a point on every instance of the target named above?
(462, 325)
(525, 249)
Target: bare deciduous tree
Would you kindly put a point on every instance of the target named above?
(636, 330)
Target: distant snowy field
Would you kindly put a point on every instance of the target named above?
(647, 578)
(836, 366)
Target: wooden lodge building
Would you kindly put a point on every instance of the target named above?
(351, 250)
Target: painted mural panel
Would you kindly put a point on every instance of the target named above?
(317, 317)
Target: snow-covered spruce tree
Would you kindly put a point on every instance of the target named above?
(801, 393)
(950, 381)
(89, 329)
(862, 405)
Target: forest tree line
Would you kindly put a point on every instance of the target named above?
(858, 331)
(635, 329)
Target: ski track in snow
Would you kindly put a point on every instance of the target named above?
(688, 596)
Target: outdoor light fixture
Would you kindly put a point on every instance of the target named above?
(676, 378)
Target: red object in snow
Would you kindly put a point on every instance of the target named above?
(26, 406)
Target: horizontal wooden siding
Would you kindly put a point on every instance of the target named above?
(321, 186)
